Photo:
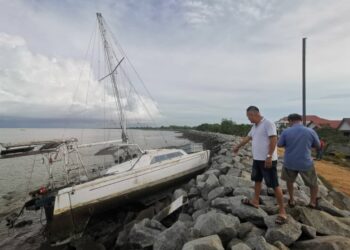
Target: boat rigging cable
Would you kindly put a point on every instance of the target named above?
(137, 75)
(70, 113)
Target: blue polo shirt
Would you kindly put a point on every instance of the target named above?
(298, 142)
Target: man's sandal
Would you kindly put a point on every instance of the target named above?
(314, 206)
(248, 202)
(291, 204)
(280, 220)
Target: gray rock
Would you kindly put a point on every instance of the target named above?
(201, 178)
(87, 244)
(153, 224)
(221, 159)
(222, 151)
(200, 204)
(216, 192)
(214, 165)
(244, 212)
(193, 192)
(259, 243)
(248, 192)
(7, 197)
(211, 183)
(323, 222)
(254, 232)
(346, 201)
(270, 210)
(148, 212)
(270, 192)
(233, 242)
(217, 158)
(234, 182)
(199, 212)
(200, 186)
(228, 159)
(344, 220)
(172, 238)
(244, 229)
(225, 167)
(303, 193)
(211, 242)
(308, 231)
(226, 226)
(215, 172)
(268, 200)
(240, 246)
(143, 236)
(333, 242)
(185, 217)
(122, 238)
(246, 175)
(236, 158)
(342, 200)
(239, 165)
(192, 183)
(280, 245)
(179, 192)
(287, 233)
(299, 181)
(234, 172)
(322, 190)
(329, 208)
(23, 223)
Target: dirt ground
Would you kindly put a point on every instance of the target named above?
(337, 176)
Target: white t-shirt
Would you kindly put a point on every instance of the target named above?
(260, 139)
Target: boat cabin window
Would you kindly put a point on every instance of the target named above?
(169, 156)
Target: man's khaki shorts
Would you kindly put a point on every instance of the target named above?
(309, 177)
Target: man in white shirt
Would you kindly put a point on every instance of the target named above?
(264, 139)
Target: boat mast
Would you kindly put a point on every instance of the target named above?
(112, 73)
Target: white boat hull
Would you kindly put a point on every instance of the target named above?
(75, 205)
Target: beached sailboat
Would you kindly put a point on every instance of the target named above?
(136, 172)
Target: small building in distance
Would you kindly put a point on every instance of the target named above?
(312, 121)
(315, 122)
(344, 126)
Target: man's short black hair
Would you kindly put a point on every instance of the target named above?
(294, 117)
(253, 108)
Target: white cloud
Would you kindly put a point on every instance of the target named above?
(35, 85)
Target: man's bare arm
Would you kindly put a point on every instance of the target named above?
(241, 144)
(273, 144)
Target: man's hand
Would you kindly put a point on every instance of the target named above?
(268, 162)
(241, 144)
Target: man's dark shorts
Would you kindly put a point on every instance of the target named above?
(260, 172)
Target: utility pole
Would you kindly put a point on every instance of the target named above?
(304, 83)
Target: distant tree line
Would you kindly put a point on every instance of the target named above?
(226, 126)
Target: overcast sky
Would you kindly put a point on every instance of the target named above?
(202, 60)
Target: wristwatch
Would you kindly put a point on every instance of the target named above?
(268, 156)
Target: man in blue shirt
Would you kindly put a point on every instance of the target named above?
(298, 142)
